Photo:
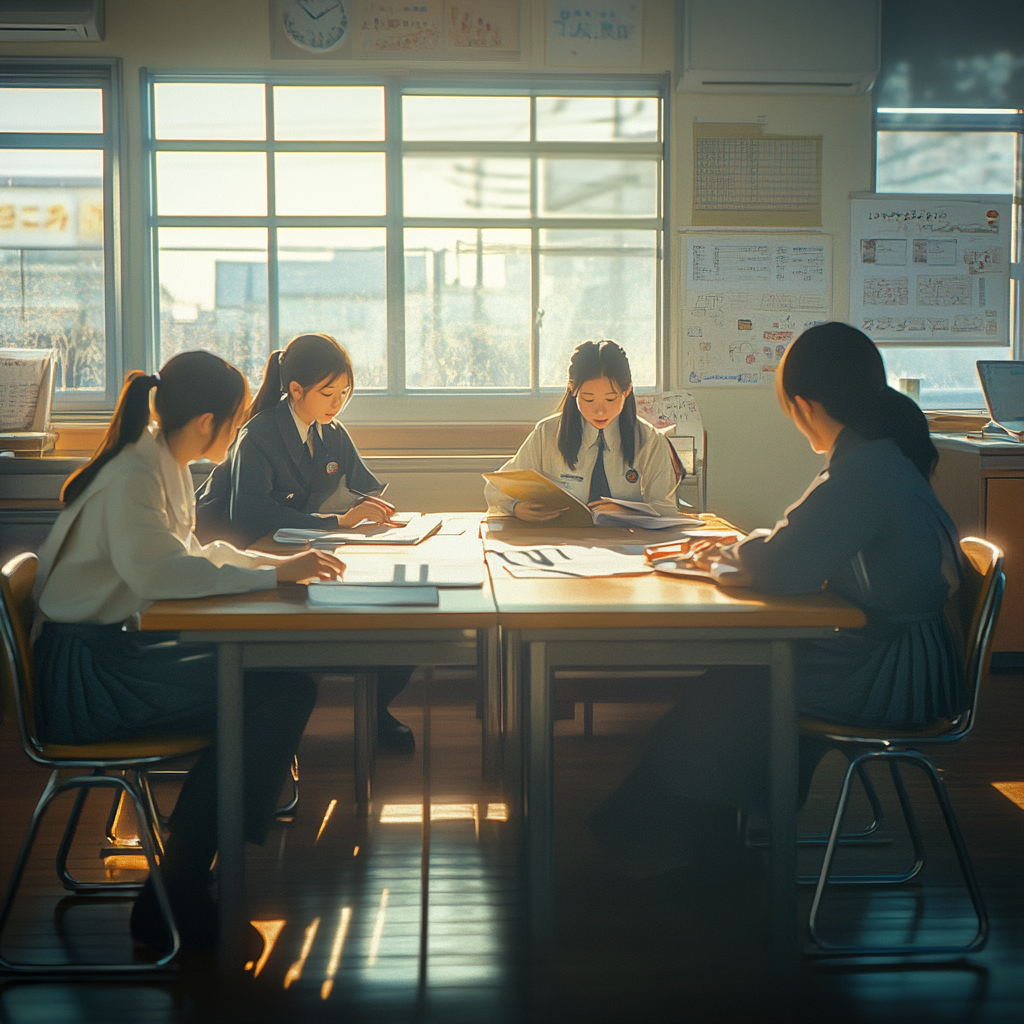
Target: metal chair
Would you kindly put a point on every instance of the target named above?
(976, 607)
(120, 765)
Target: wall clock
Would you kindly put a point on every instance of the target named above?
(317, 25)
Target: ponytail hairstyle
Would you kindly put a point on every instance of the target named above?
(189, 385)
(307, 359)
(591, 360)
(840, 367)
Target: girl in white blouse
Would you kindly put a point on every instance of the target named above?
(596, 446)
(123, 541)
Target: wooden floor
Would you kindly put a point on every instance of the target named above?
(346, 897)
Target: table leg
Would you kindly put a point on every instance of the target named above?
(488, 658)
(513, 732)
(783, 794)
(230, 805)
(540, 796)
(362, 739)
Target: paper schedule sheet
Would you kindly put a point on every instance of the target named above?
(747, 295)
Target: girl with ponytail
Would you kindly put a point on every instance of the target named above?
(868, 529)
(294, 465)
(595, 446)
(123, 541)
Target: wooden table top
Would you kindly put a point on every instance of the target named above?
(653, 600)
(557, 603)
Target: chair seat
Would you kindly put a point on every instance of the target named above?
(853, 733)
(138, 749)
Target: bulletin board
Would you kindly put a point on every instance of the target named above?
(930, 268)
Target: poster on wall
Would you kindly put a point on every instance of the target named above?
(605, 35)
(930, 268)
(745, 297)
(388, 30)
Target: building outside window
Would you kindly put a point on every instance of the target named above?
(453, 240)
(58, 165)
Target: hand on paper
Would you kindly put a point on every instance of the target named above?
(373, 509)
(535, 512)
(606, 506)
(313, 564)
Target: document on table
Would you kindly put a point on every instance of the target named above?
(387, 569)
(563, 560)
(330, 595)
(416, 531)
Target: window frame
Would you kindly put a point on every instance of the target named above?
(945, 119)
(394, 220)
(103, 73)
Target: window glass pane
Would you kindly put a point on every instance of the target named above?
(334, 281)
(960, 162)
(209, 110)
(470, 118)
(595, 285)
(603, 188)
(467, 309)
(597, 119)
(213, 295)
(331, 184)
(466, 186)
(948, 375)
(52, 291)
(211, 184)
(51, 110)
(328, 112)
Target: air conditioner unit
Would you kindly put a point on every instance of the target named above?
(778, 46)
(43, 21)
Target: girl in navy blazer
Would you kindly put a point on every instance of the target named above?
(294, 465)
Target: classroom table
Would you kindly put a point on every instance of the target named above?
(278, 629)
(636, 622)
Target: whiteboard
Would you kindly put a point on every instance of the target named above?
(746, 296)
(930, 268)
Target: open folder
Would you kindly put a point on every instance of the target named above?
(529, 485)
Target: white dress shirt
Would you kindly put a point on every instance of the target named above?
(654, 478)
(304, 428)
(127, 541)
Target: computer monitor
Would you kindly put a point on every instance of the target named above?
(1002, 380)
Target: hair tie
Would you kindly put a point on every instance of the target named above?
(155, 378)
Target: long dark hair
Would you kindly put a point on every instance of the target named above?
(839, 366)
(189, 385)
(307, 359)
(591, 360)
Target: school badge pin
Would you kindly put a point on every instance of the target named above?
(632, 476)
(332, 467)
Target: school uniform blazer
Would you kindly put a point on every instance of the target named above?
(127, 541)
(270, 481)
(652, 477)
(869, 529)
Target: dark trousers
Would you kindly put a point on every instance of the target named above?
(390, 683)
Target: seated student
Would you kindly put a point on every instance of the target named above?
(294, 465)
(124, 540)
(595, 446)
(869, 529)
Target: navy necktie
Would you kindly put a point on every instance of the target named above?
(599, 478)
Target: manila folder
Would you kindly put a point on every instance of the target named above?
(529, 485)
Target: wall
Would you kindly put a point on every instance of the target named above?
(757, 463)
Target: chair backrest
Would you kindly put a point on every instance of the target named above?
(977, 605)
(17, 578)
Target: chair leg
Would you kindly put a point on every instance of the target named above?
(827, 949)
(866, 835)
(588, 718)
(285, 811)
(82, 783)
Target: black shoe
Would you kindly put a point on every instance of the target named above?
(392, 735)
(194, 914)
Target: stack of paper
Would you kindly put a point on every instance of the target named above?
(418, 530)
(333, 595)
(564, 560)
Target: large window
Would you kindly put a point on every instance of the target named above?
(57, 241)
(453, 240)
(950, 151)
